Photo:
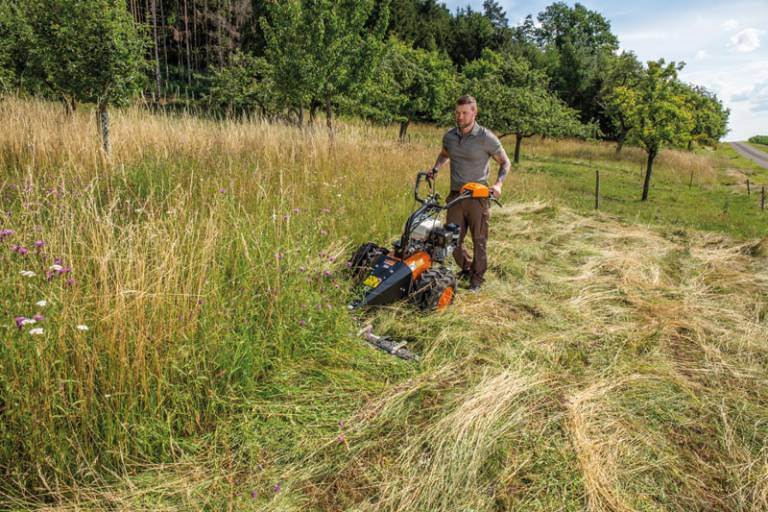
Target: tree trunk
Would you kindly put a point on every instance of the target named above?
(70, 105)
(165, 39)
(648, 172)
(103, 120)
(313, 106)
(690, 144)
(620, 142)
(518, 142)
(329, 117)
(404, 129)
(157, 51)
(186, 39)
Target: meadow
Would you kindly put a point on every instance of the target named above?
(191, 349)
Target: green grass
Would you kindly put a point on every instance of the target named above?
(730, 158)
(712, 207)
(613, 361)
(760, 147)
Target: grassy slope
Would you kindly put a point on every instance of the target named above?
(608, 363)
(761, 147)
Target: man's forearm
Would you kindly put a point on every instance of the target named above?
(504, 165)
(441, 159)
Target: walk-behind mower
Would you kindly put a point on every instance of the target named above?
(415, 266)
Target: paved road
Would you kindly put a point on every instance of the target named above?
(745, 150)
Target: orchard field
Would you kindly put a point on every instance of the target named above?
(191, 347)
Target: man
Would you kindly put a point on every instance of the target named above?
(469, 147)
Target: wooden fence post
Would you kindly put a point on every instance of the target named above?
(749, 190)
(597, 189)
(762, 197)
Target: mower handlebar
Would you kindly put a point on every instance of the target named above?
(468, 196)
(431, 182)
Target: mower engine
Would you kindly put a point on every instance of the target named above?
(433, 237)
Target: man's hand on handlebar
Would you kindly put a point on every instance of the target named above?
(432, 174)
(496, 191)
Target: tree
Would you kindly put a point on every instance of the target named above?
(90, 51)
(657, 111)
(710, 118)
(15, 35)
(322, 49)
(581, 44)
(513, 100)
(424, 24)
(624, 71)
(471, 33)
(242, 86)
(411, 85)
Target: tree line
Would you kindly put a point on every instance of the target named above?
(557, 74)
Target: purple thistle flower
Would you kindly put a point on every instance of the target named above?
(297, 210)
(20, 249)
(49, 275)
(349, 264)
(302, 323)
(39, 244)
(254, 494)
(38, 318)
(58, 261)
(331, 258)
(341, 439)
(327, 273)
(323, 232)
(4, 233)
(19, 321)
(222, 190)
(64, 270)
(70, 281)
(277, 487)
(341, 423)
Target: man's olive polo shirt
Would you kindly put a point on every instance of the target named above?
(470, 155)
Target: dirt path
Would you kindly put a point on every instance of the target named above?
(753, 154)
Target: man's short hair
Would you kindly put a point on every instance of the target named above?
(466, 100)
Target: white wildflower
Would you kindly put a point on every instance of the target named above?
(27, 273)
(55, 267)
(28, 321)
(82, 327)
(41, 303)
(36, 330)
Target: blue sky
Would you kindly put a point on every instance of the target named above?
(724, 46)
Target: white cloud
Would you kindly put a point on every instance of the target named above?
(702, 54)
(747, 40)
(730, 24)
(757, 96)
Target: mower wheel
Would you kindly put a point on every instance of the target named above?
(434, 289)
(361, 262)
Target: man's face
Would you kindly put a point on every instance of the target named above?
(465, 115)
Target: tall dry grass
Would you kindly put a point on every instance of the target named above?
(605, 365)
(197, 256)
(672, 165)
